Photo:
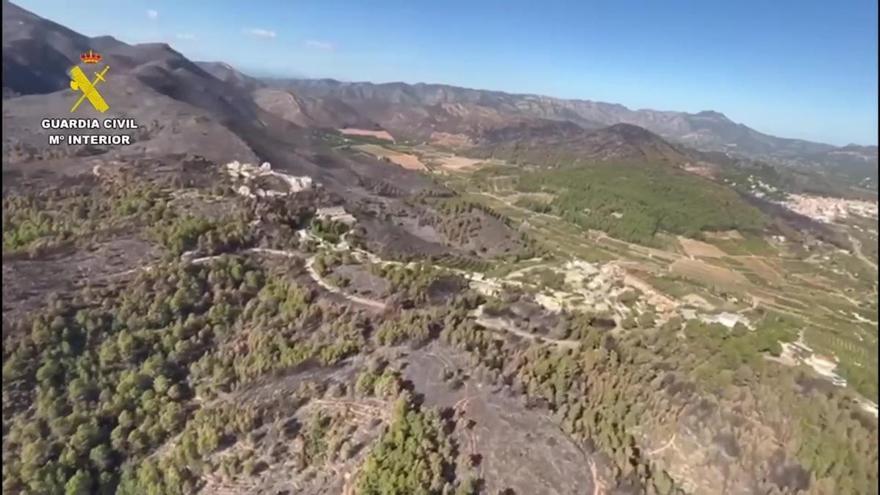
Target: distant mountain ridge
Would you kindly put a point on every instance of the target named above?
(231, 75)
(181, 106)
(460, 117)
(37, 54)
(707, 130)
(558, 143)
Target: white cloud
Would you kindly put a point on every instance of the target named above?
(321, 45)
(152, 14)
(186, 36)
(260, 33)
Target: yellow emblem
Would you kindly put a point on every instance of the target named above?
(79, 82)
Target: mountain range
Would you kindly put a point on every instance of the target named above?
(459, 110)
(38, 52)
(181, 107)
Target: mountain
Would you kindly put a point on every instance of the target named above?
(300, 110)
(309, 111)
(231, 75)
(181, 106)
(853, 163)
(178, 105)
(463, 119)
(27, 38)
(850, 155)
(433, 112)
(37, 53)
(564, 143)
(451, 109)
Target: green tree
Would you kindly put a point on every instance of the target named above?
(102, 457)
(79, 484)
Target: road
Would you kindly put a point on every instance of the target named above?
(310, 267)
(503, 325)
(857, 250)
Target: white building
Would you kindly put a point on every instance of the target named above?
(336, 214)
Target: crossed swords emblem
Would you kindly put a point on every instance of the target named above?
(79, 82)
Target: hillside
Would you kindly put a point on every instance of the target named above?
(266, 293)
(462, 118)
(231, 75)
(859, 163)
(310, 112)
(560, 143)
(704, 130)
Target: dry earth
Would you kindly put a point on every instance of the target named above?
(707, 274)
(699, 249)
(405, 160)
(366, 132)
(519, 448)
(455, 162)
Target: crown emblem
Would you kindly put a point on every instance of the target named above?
(90, 57)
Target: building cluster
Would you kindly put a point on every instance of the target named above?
(336, 214)
(825, 209)
(253, 184)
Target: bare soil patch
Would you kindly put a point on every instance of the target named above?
(380, 134)
(702, 171)
(521, 449)
(725, 235)
(27, 283)
(451, 140)
(455, 162)
(390, 240)
(698, 302)
(699, 249)
(708, 274)
(277, 446)
(405, 160)
(419, 229)
(762, 268)
(361, 282)
(540, 197)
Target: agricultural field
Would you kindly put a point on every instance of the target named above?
(734, 260)
(535, 301)
(405, 160)
(738, 264)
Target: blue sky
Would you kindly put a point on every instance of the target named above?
(804, 69)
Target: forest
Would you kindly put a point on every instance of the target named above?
(116, 372)
(129, 386)
(634, 202)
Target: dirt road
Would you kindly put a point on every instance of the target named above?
(503, 325)
(310, 267)
(857, 250)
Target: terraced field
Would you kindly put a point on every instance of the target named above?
(828, 292)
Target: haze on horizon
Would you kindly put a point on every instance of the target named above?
(803, 70)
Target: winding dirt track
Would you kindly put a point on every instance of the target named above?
(310, 267)
(504, 325)
(857, 250)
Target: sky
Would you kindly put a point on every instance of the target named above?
(802, 69)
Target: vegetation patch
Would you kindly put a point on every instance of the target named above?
(708, 275)
(699, 249)
(634, 202)
(415, 456)
(60, 215)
